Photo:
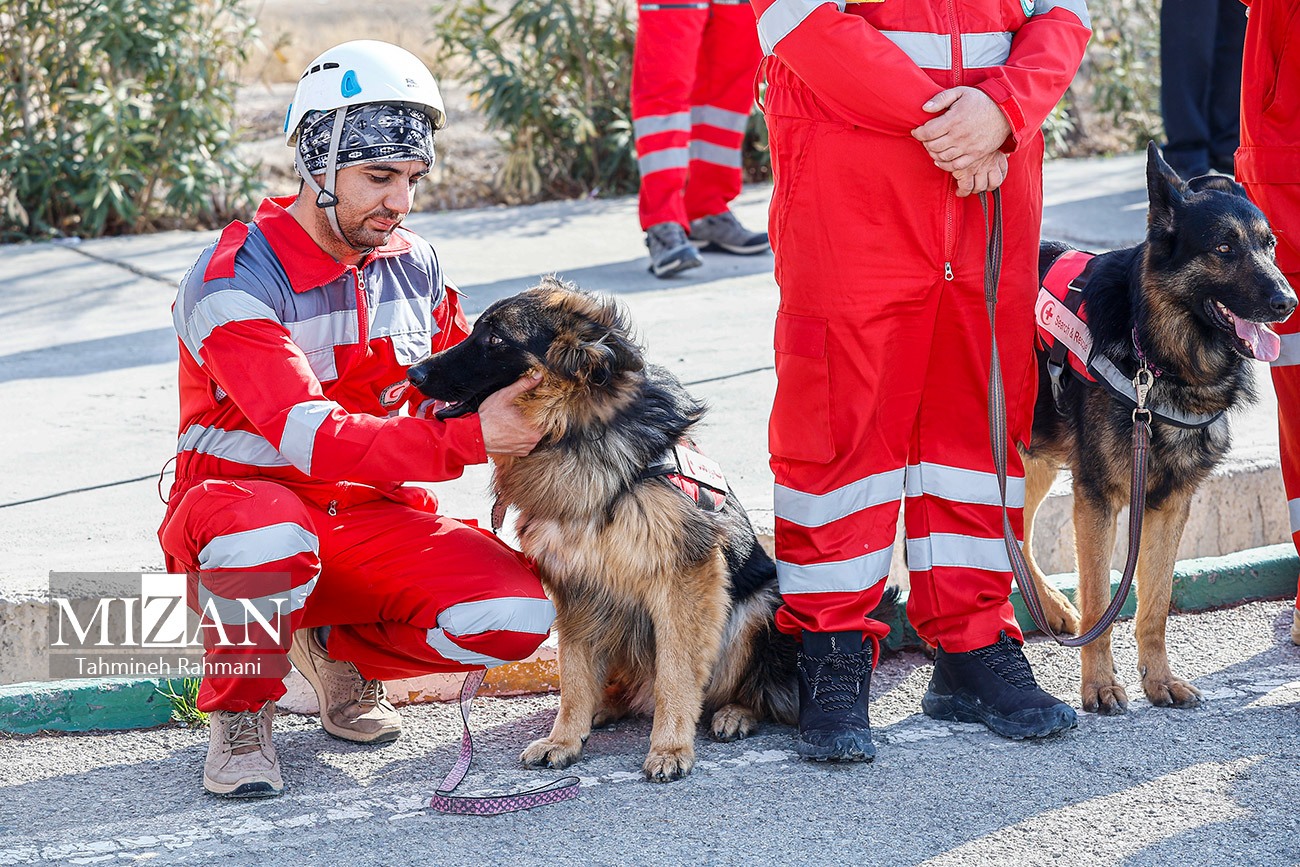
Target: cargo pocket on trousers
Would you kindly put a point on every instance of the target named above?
(800, 427)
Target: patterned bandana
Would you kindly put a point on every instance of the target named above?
(375, 132)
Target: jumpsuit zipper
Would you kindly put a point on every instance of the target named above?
(950, 198)
(363, 322)
(363, 349)
(363, 314)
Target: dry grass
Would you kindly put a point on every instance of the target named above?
(295, 31)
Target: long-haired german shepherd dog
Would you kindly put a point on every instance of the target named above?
(661, 605)
(1193, 298)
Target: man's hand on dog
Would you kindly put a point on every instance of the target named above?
(506, 431)
(970, 127)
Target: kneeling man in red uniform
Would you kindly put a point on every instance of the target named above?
(298, 430)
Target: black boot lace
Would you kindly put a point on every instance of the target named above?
(836, 678)
(1005, 659)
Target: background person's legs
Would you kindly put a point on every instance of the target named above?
(1225, 85)
(1187, 38)
(668, 39)
(720, 104)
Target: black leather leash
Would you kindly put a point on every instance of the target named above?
(998, 434)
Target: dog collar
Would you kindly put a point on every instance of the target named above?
(1120, 386)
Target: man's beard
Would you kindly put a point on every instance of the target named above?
(360, 233)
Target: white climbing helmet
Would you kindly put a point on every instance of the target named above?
(360, 72)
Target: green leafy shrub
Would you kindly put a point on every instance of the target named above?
(118, 115)
(1118, 87)
(554, 77)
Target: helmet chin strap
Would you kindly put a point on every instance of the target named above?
(326, 200)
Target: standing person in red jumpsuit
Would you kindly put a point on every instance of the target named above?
(298, 428)
(1268, 166)
(692, 88)
(884, 118)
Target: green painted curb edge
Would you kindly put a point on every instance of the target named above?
(84, 705)
(112, 703)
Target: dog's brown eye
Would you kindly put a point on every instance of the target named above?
(495, 340)
(1223, 248)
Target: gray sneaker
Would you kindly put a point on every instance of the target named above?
(670, 251)
(351, 707)
(724, 232)
(241, 759)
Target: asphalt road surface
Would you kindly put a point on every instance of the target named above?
(1213, 785)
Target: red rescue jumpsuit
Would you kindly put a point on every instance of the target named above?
(692, 88)
(882, 339)
(296, 432)
(1268, 166)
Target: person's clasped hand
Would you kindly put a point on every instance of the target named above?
(965, 138)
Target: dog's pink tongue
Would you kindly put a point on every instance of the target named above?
(1263, 341)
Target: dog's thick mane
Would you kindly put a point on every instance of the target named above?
(605, 424)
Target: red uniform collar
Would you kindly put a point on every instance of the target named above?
(307, 265)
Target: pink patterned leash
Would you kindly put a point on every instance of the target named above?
(490, 805)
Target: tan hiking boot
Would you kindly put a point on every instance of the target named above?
(351, 707)
(241, 758)
(1295, 626)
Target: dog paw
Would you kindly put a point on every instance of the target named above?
(606, 717)
(664, 767)
(1106, 698)
(1061, 614)
(546, 753)
(732, 723)
(1066, 621)
(1173, 692)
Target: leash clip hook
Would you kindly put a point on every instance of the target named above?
(1142, 382)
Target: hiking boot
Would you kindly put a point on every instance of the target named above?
(670, 251)
(834, 678)
(241, 758)
(724, 232)
(994, 685)
(351, 707)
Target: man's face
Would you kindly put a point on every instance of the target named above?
(374, 198)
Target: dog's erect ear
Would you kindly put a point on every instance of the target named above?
(1165, 192)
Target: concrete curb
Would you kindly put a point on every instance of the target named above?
(109, 704)
(1200, 584)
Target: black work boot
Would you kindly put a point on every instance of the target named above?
(995, 686)
(834, 678)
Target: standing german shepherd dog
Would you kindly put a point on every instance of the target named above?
(662, 604)
(1193, 299)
